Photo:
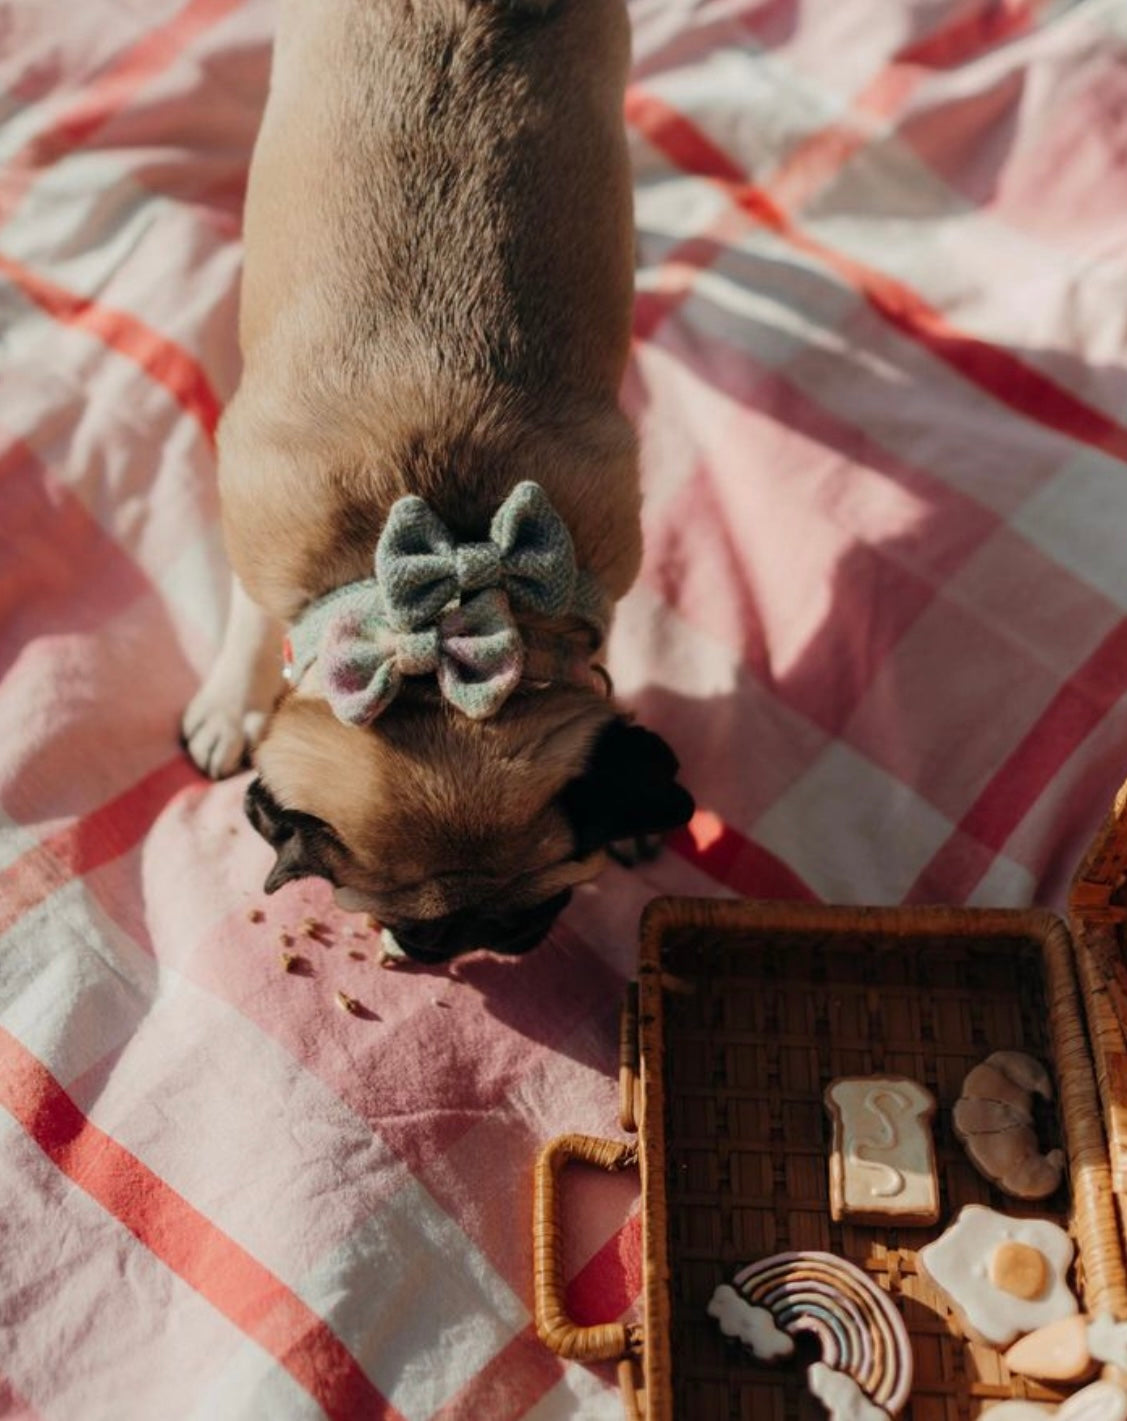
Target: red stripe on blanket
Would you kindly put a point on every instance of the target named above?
(610, 1281)
(969, 36)
(62, 570)
(509, 1385)
(991, 368)
(602, 1290)
(1070, 717)
(108, 93)
(818, 158)
(160, 358)
(13, 1407)
(735, 861)
(107, 833)
(237, 1285)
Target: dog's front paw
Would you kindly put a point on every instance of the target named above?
(219, 734)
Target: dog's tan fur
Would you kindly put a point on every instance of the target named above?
(436, 300)
(438, 285)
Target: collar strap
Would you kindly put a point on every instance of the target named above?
(440, 607)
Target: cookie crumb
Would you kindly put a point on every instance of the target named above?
(358, 956)
(374, 924)
(440, 1003)
(255, 915)
(286, 939)
(349, 1004)
(293, 962)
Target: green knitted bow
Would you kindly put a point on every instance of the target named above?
(421, 569)
(475, 649)
(407, 621)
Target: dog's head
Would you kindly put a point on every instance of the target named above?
(458, 834)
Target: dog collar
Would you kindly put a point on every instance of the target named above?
(443, 608)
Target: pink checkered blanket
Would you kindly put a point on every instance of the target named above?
(880, 379)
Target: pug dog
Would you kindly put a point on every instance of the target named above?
(429, 492)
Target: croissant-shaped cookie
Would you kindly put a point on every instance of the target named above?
(994, 1120)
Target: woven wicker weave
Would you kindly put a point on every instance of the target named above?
(745, 1012)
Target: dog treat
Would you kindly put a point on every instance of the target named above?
(255, 915)
(1002, 1276)
(1071, 1349)
(882, 1160)
(348, 1004)
(1102, 1401)
(861, 1335)
(994, 1120)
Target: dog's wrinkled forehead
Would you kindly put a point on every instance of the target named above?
(454, 881)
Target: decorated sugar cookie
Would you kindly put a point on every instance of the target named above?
(754, 1327)
(1071, 1349)
(1002, 1276)
(865, 1373)
(993, 1118)
(882, 1160)
(1102, 1401)
(841, 1396)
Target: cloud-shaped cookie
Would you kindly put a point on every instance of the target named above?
(754, 1327)
(841, 1396)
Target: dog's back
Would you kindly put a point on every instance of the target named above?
(439, 264)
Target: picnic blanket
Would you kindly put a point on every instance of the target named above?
(880, 379)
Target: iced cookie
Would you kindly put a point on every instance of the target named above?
(841, 1396)
(1002, 1276)
(1071, 1349)
(882, 1157)
(993, 1118)
(861, 1335)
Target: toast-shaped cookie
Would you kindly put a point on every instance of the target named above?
(882, 1156)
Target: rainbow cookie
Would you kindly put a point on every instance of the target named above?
(865, 1372)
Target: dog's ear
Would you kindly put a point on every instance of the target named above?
(305, 845)
(629, 788)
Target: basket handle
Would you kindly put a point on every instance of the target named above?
(609, 1341)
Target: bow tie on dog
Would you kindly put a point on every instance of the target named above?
(443, 608)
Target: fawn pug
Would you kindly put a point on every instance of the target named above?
(428, 486)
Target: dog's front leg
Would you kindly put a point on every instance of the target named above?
(225, 719)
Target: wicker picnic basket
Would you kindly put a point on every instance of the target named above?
(741, 1015)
